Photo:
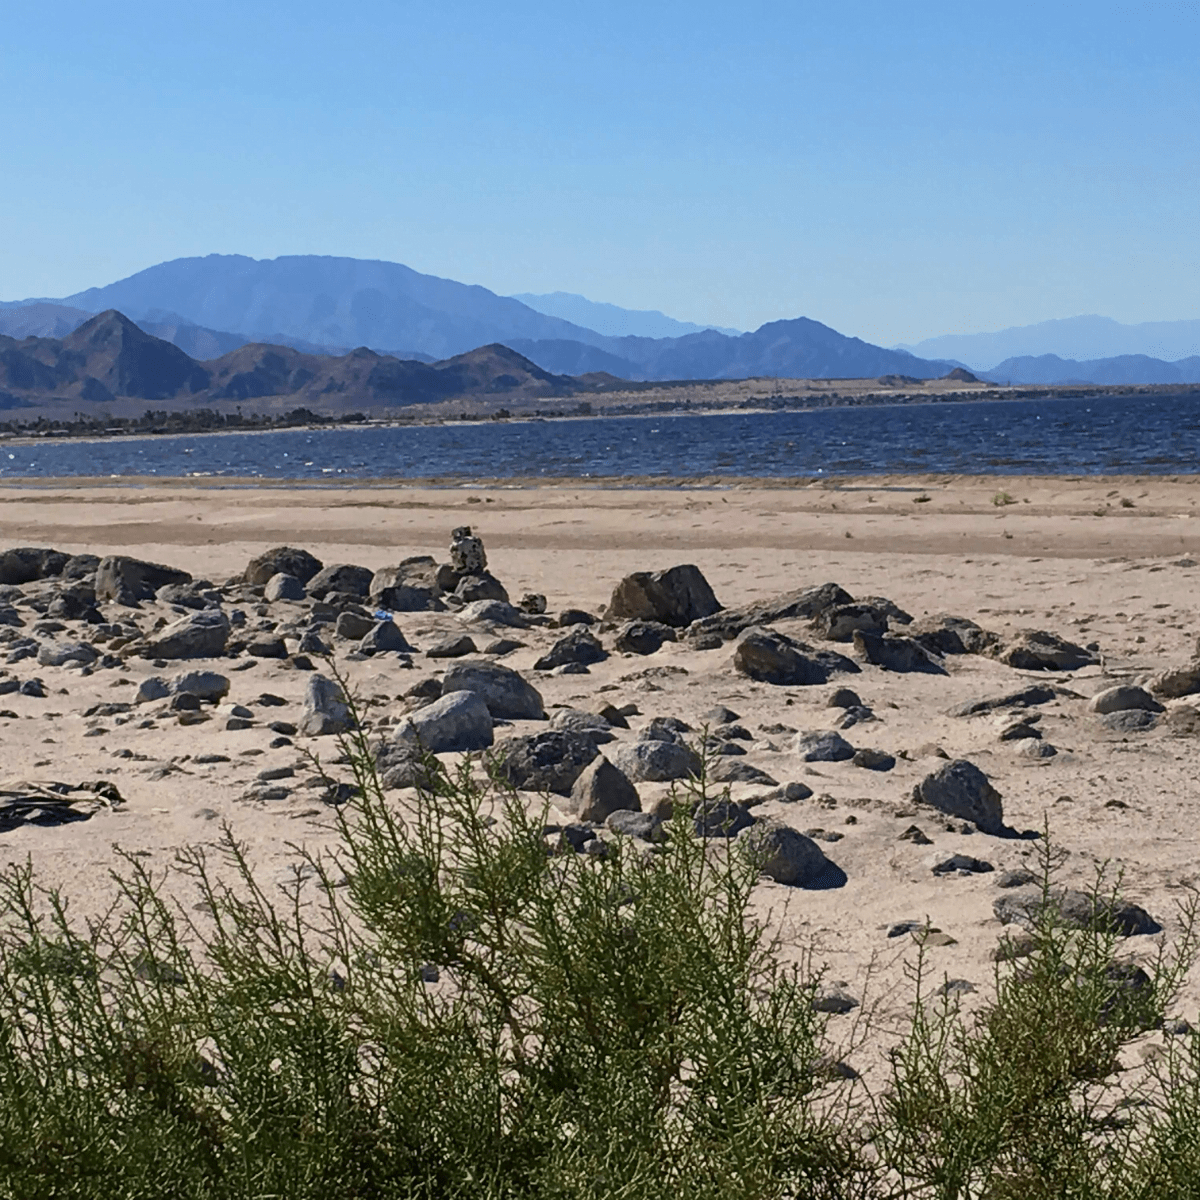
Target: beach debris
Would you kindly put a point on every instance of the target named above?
(45, 802)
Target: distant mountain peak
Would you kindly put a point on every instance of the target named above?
(610, 319)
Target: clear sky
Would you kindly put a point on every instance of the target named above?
(895, 169)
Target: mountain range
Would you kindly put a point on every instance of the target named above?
(612, 320)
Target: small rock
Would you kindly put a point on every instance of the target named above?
(588, 724)
(545, 762)
(1129, 720)
(873, 760)
(502, 646)
(579, 647)
(955, 987)
(720, 715)
(675, 597)
(960, 862)
(726, 771)
(62, 654)
(342, 578)
(456, 647)
(916, 835)
(154, 687)
(383, 637)
(833, 998)
(643, 825)
(1036, 749)
(267, 647)
(716, 817)
(770, 657)
(282, 560)
(202, 634)
(642, 637)
(507, 695)
(1074, 910)
(656, 761)
(572, 616)
(843, 697)
(896, 653)
(822, 745)
(1016, 878)
(209, 686)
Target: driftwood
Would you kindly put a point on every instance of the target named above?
(49, 802)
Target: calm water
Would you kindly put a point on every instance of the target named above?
(1133, 434)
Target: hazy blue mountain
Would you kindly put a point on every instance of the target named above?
(40, 318)
(329, 302)
(574, 358)
(611, 320)
(1078, 338)
(1121, 369)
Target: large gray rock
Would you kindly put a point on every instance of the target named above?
(207, 685)
(153, 687)
(283, 586)
(1177, 681)
(642, 637)
(493, 612)
(411, 586)
(27, 565)
(1037, 650)
(131, 580)
(545, 762)
(804, 604)
(771, 657)
(676, 597)
(655, 761)
(842, 621)
(282, 560)
(894, 652)
(507, 695)
(1122, 698)
(353, 626)
(341, 577)
(201, 634)
(591, 725)
(471, 588)
(458, 721)
(785, 855)
(943, 634)
(960, 789)
(822, 745)
(382, 637)
(601, 790)
(325, 711)
(1031, 907)
(62, 654)
(578, 646)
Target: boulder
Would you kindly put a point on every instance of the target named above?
(588, 724)
(282, 560)
(507, 695)
(80, 566)
(1031, 907)
(805, 604)
(206, 685)
(961, 789)
(471, 588)
(493, 612)
(382, 637)
(1037, 693)
(62, 654)
(720, 817)
(737, 771)
(1129, 720)
(943, 634)
(822, 745)
(842, 621)
(578, 646)
(325, 711)
(1177, 681)
(403, 764)
(655, 761)
(893, 652)
(74, 604)
(283, 586)
(411, 586)
(1122, 698)
(545, 762)
(189, 595)
(771, 657)
(676, 597)
(785, 855)
(601, 790)
(458, 721)
(571, 616)
(642, 637)
(873, 760)
(1038, 650)
(843, 697)
(353, 627)
(646, 826)
(153, 687)
(266, 646)
(453, 647)
(341, 577)
(202, 634)
(27, 565)
(131, 580)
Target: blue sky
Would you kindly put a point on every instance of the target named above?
(896, 170)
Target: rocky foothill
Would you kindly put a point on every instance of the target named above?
(868, 753)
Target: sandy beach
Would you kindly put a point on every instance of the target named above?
(1110, 562)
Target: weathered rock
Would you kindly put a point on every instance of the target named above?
(842, 621)
(951, 863)
(1177, 681)
(771, 657)
(266, 646)
(890, 609)
(210, 686)
(572, 616)
(822, 745)
(1072, 909)
(719, 817)
(202, 634)
(833, 998)
(325, 711)
(501, 646)
(1038, 650)
(507, 695)
(655, 761)
(646, 826)
(719, 715)
(80, 566)
(284, 587)
(728, 770)
(843, 697)
(458, 721)
(493, 612)
(153, 687)
(473, 588)
(1011, 727)
(588, 724)
(198, 594)
(944, 634)
(382, 637)
(1036, 749)
(873, 760)
(467, 555)
(578, 646)
(642, 637)
(1122, 698)
(62, 654)
(131, 580)
(601, 790)
(454, 646)
(341, 577)
(961, 789)
(805, 604)
(534, 603)
(353, 627)
(550, 761)
(403, 764)
(282, 560)
(1129, 720)
(1035, 694)
(854, 716)
(1018, 877)
(75, 604)
(27, 565)
(412, 586)
(676, 597)
(786, 855)
(894, 652)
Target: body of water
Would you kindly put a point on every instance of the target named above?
(1110, 435)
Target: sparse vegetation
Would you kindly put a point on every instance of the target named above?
(1002, 499)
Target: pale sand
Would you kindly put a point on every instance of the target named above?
(1124, 579)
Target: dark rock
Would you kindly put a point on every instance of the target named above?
(665, 729)
(493, 612)
(28, 565)
(1023, 698)
(646, 826)
(500, 646)
(1038, 650)
(943, 634)
(1016, 878)
(890, 609)
(62, 654)
(806, 604)
(73, 604)
(472, 588)
(833, 998)
(822, 745)
(786, 855)
(737, 732)
(454, 647)
(507, 695)
(574, 616)
(601, 790)
(458, 721)
(1129, 720)
(130, 580)
(198, 635)
(642, 637)
(152, 688)
(341, 577)
(896, 653)
(352, 627)
(284, 587)
(854, 716)
(579, 646)
(1072, 909)
(312, 643)
(873, 760)
(842, 621)
(716, 817)
(545, 762)
(325, 711)
(614, 716)
(208, 685)
(383, 637)
(534, 603)
(676, 597)
(267, 647)
(961, 862)
(80, 566)
(726, 771)
(33, 687)
(1177, 681)
(282, 560)
(961, 789)
(720, 715)
(412, 586)
(184, 702)
(916, 835)
(188, 595)
(588, 724)
(843, 697)
(771, 657)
